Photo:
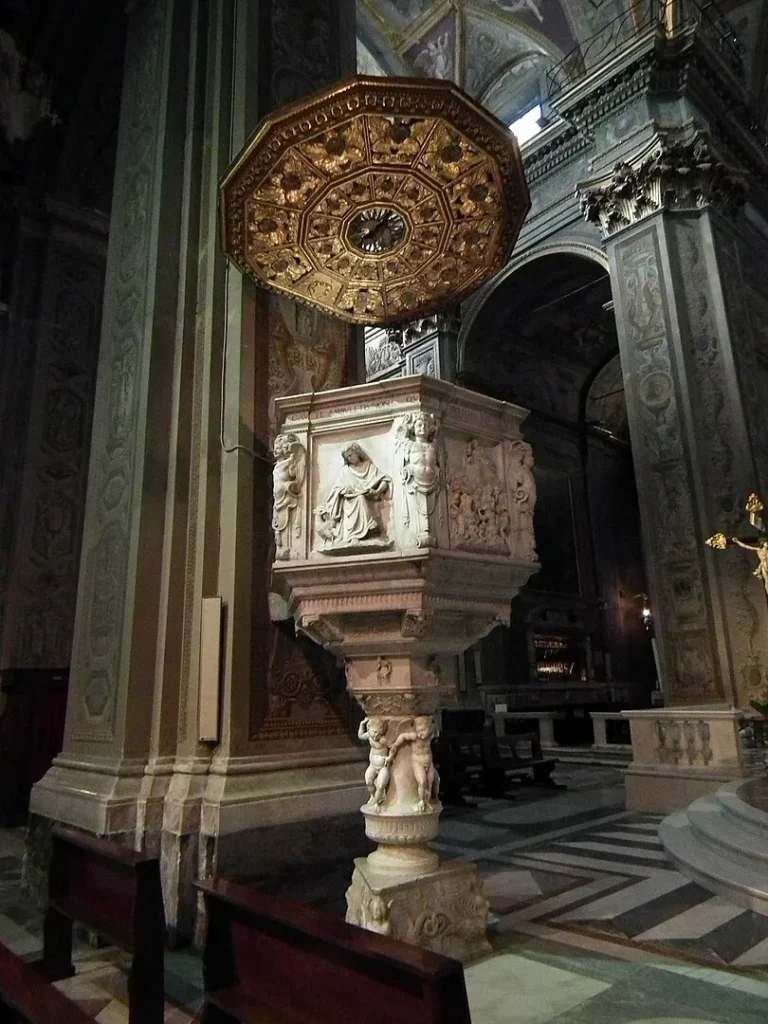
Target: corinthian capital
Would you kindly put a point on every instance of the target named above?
(677, 171)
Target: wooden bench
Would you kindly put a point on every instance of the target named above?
(115, 893)
(26, 997)
(459, 762)
(481, 762)
(275, 961)
(514, 757)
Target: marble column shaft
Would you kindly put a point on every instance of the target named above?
(172, 516)
(696, 443)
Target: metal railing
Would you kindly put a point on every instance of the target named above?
(705, 16)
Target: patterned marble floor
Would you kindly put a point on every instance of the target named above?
(590, 924)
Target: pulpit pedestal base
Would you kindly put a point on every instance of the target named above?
(443, 911)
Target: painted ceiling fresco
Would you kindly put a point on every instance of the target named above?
(501, 50)
(498, 50)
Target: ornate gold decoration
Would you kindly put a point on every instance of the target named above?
(759, 544)
(380, 200)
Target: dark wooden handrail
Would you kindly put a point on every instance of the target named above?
(273, 959)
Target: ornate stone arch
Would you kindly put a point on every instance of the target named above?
(473, 306)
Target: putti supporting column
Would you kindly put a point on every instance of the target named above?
(403, 530)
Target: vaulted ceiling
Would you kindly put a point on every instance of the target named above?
(501, 50)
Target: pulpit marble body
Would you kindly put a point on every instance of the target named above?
(403, 522)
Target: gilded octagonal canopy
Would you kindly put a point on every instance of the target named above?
(379, 200)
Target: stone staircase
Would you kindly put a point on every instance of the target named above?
(721, 841)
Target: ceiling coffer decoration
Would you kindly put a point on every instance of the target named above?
(378, 201)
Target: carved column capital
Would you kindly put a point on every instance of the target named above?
(678, 171)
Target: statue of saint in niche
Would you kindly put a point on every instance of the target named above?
(346, 521)
(420, 470)
(287, 480)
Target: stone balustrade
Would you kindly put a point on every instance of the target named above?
(682, 753)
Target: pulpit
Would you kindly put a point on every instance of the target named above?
(403, 521)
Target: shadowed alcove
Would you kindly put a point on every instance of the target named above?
(544, 337)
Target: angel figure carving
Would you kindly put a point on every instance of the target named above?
(524, 490)
(415, 445)
(287, 481)
(345, 521)
(424, 771)
(377, 773)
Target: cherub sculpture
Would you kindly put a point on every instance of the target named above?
(378, 915)
(377, 773)
(424, 771)
(420, 472)
(287, 481)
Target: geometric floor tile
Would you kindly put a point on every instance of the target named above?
(593, 926)
(510, 989)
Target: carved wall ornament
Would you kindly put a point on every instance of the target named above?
(345, 522)
(396, 704)
(681, 172)
(524, 491)
(433, 667)
(287, 482)
(413, 625)
(382, 354)
(377, 915)
(479, 518)
(414, 439)
(383, 670)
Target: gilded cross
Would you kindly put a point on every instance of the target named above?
(758, 543)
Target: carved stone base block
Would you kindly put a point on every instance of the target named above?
(444, 911)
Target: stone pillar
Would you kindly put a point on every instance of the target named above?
(36, 629)
(124, 638)
(697, 433)
(287, 756)
(178, 495)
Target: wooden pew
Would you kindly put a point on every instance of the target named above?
(459, 762)
(116, 893)
(514, 756)
(275, 961)
(26, 997)
(481, 762)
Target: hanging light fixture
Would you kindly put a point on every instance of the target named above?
(379, 200)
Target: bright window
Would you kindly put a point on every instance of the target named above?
(527, 126)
